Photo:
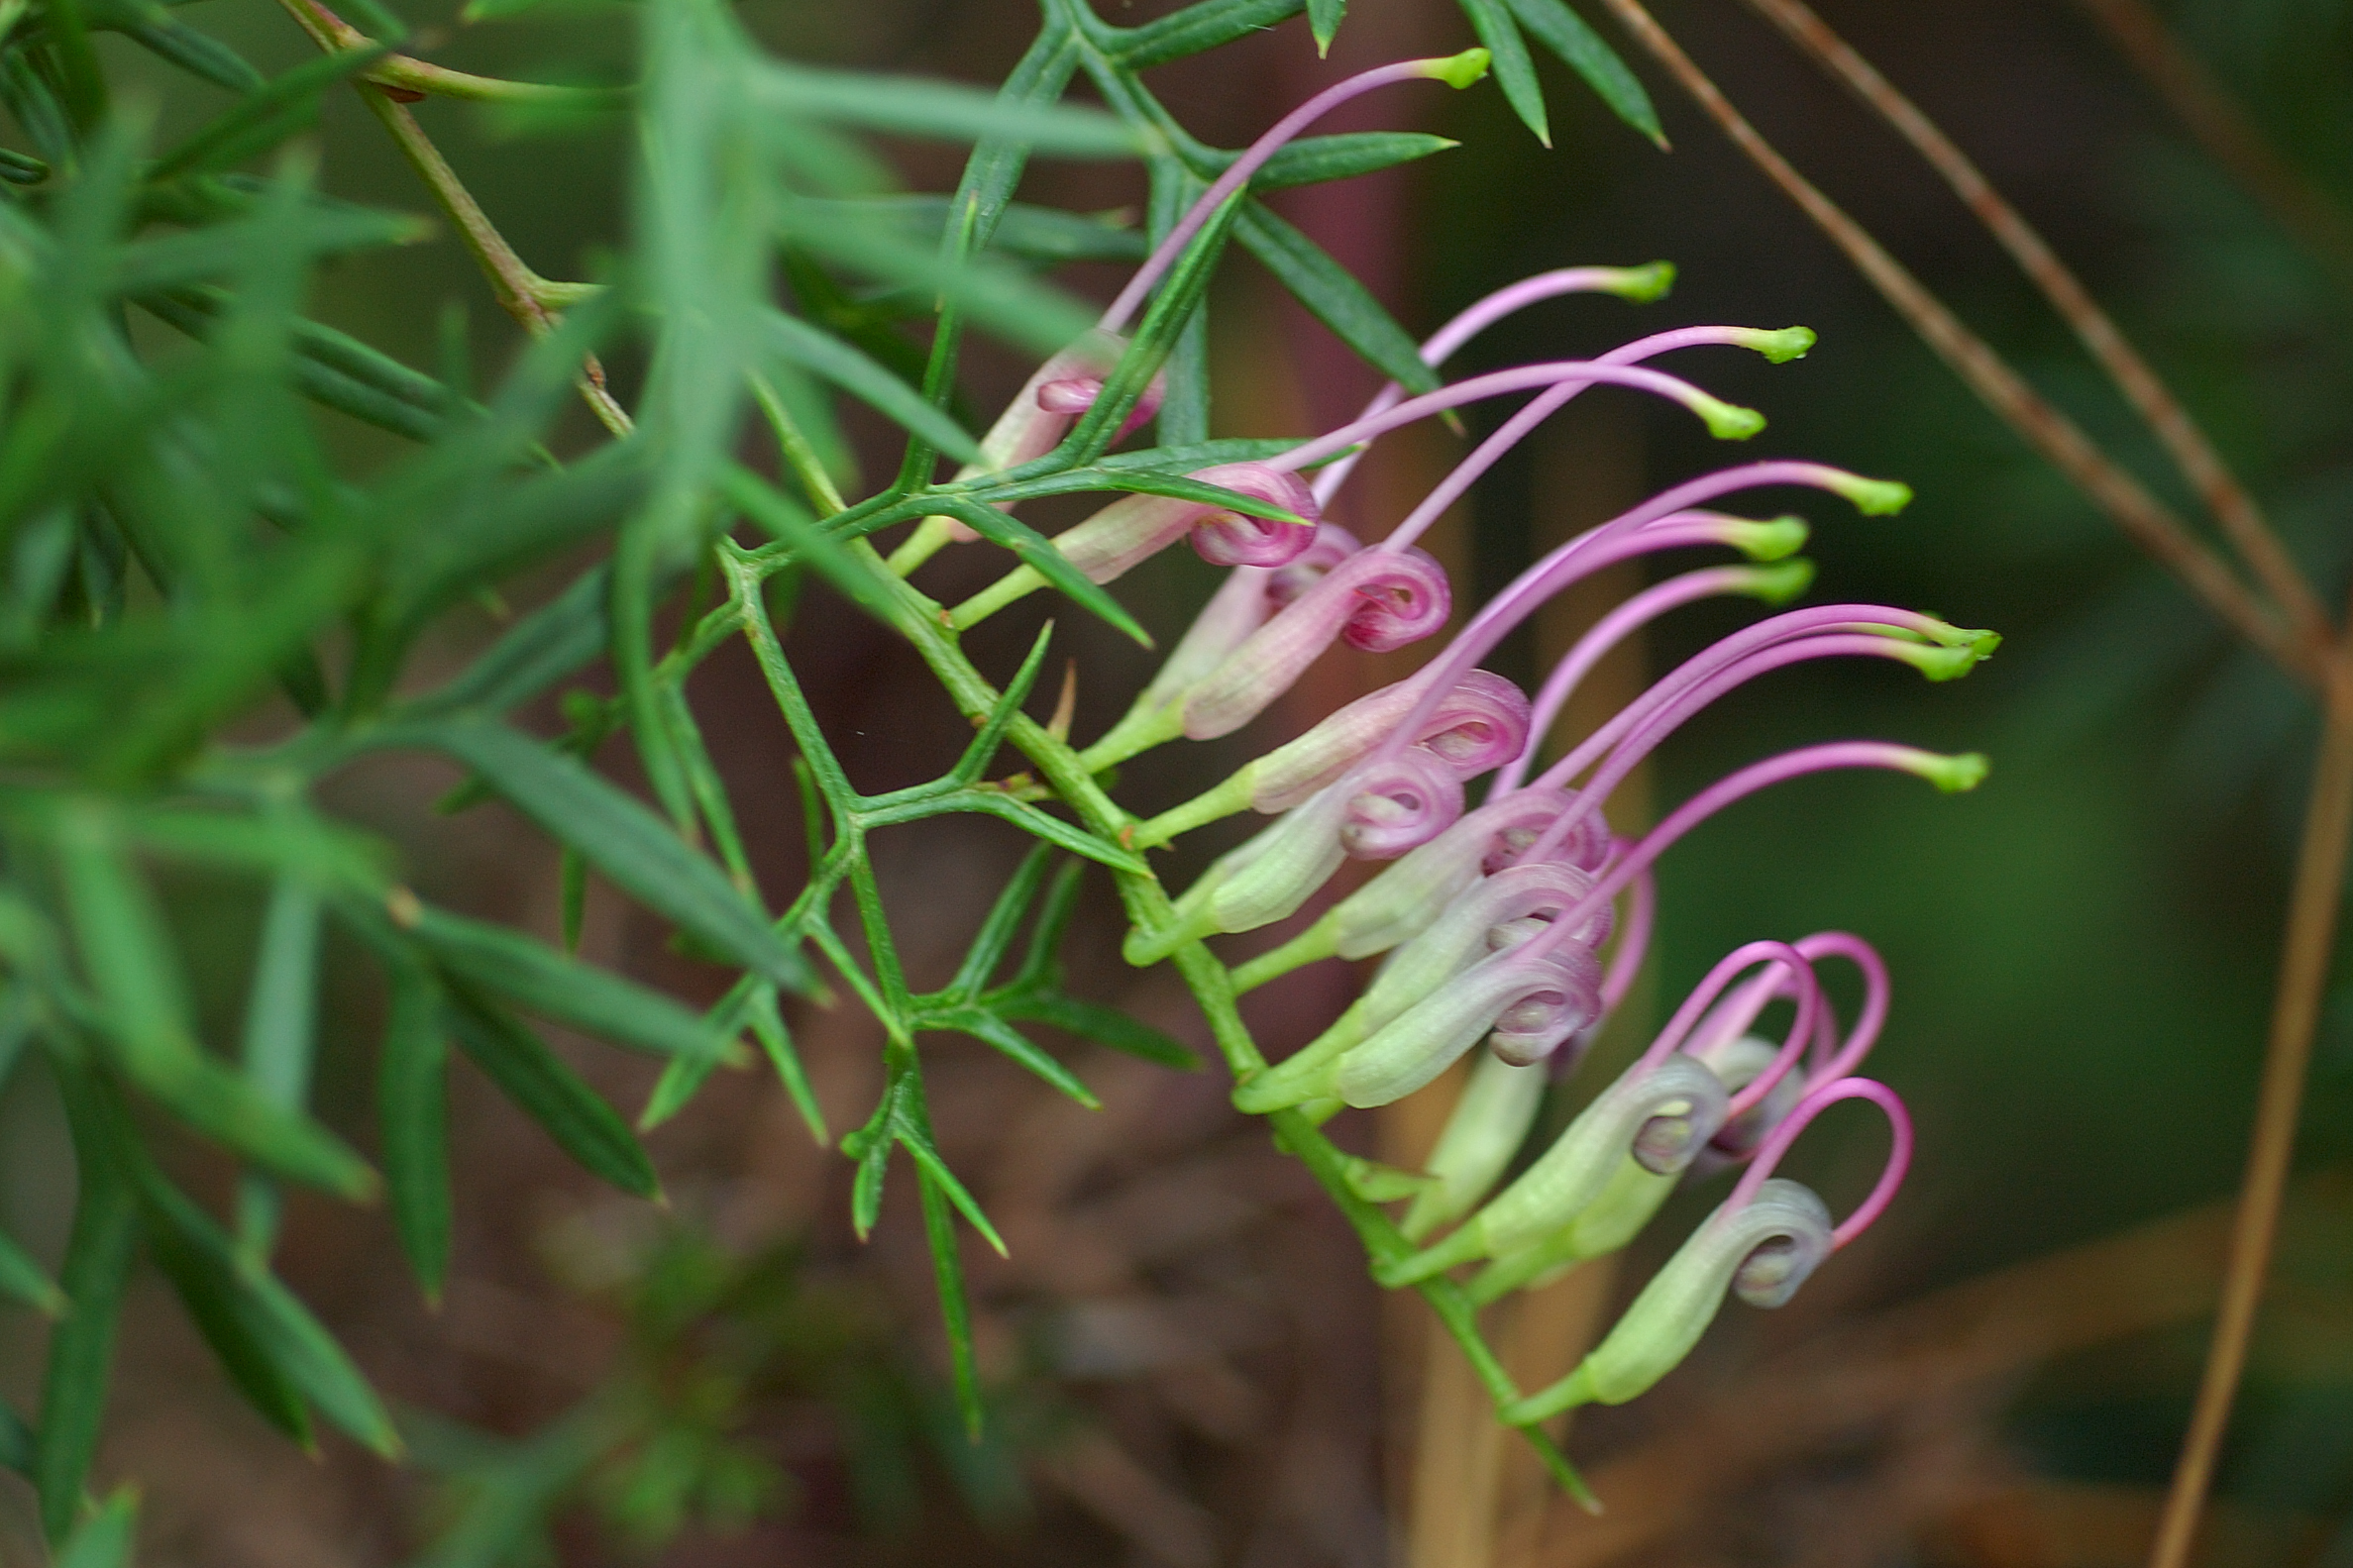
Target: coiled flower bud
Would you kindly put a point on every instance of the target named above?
(1135, 528)
(1679, 1094)
(1481, 725)
(1763, 1249)
(1378, 599)
(1395, 804)
(1427, 1037)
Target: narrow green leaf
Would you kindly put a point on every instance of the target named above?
(927, 106)
(280, 1034)
(1334, 298)
(1173, 304)
(1565, 32)
(292, 843)
(1197, 454)
(1314, 159)
(300, 1348)
(17, 1443)
(917, 1138)
(955, 1313)
(995, 293)
(1146, 482)
(97, 1268)
(412, 1116)
(1102, 1025)
(514, 1058)
(858, 374)
(208, 1288)
(1013, 1044)
(130, 965)
(1041, 964)
(631, 846)
(1035, 823)
(990, 734)
(80, 80)
(552, 642)
(871, 1147)
(195, 52)
(1047, 235)
(105, 1538)
(325, 373)
(996, 936)
(201, 255)
(768, 1028)
(229, 139)
(1037, 552)
(1195, 29)
(540, 979)
(1323, 19)
(1514, 73)
(23, 1280)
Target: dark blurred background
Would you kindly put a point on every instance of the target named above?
(1189, 1365)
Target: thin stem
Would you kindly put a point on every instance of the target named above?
(407, 73)
(515, 286)
(2221, 126)
(2241, 519)
(2304, 974)
(2129, 504)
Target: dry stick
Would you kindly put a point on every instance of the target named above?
(2147, 520)
(2217, 123)
(2304, 973)
(2241, 519)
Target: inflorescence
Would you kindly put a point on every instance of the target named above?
(1513, 929)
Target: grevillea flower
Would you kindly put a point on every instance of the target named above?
(1515, 927)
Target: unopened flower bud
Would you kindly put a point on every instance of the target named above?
(1572, 1173)
(1398, 803)
(1483, 724)
(1763, 1249)
(1427, 1037)
(1488, 1124)
(1378, 599)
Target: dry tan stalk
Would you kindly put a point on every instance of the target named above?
(2220, 126)
(2296, 1014)
(2241, 519)
(2146, 520)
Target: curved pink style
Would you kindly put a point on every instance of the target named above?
(1778, 1142)
(1440, 346)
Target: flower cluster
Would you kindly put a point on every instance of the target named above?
(1511, 929)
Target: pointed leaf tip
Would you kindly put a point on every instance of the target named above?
(1461, 71)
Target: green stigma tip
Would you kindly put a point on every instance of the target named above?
(1772, 540)
(1461, 71)
(1875, 497)
(1953, 775)
(1730, 421)
(1790, 343)
(1781, 583)
(1641, 284)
